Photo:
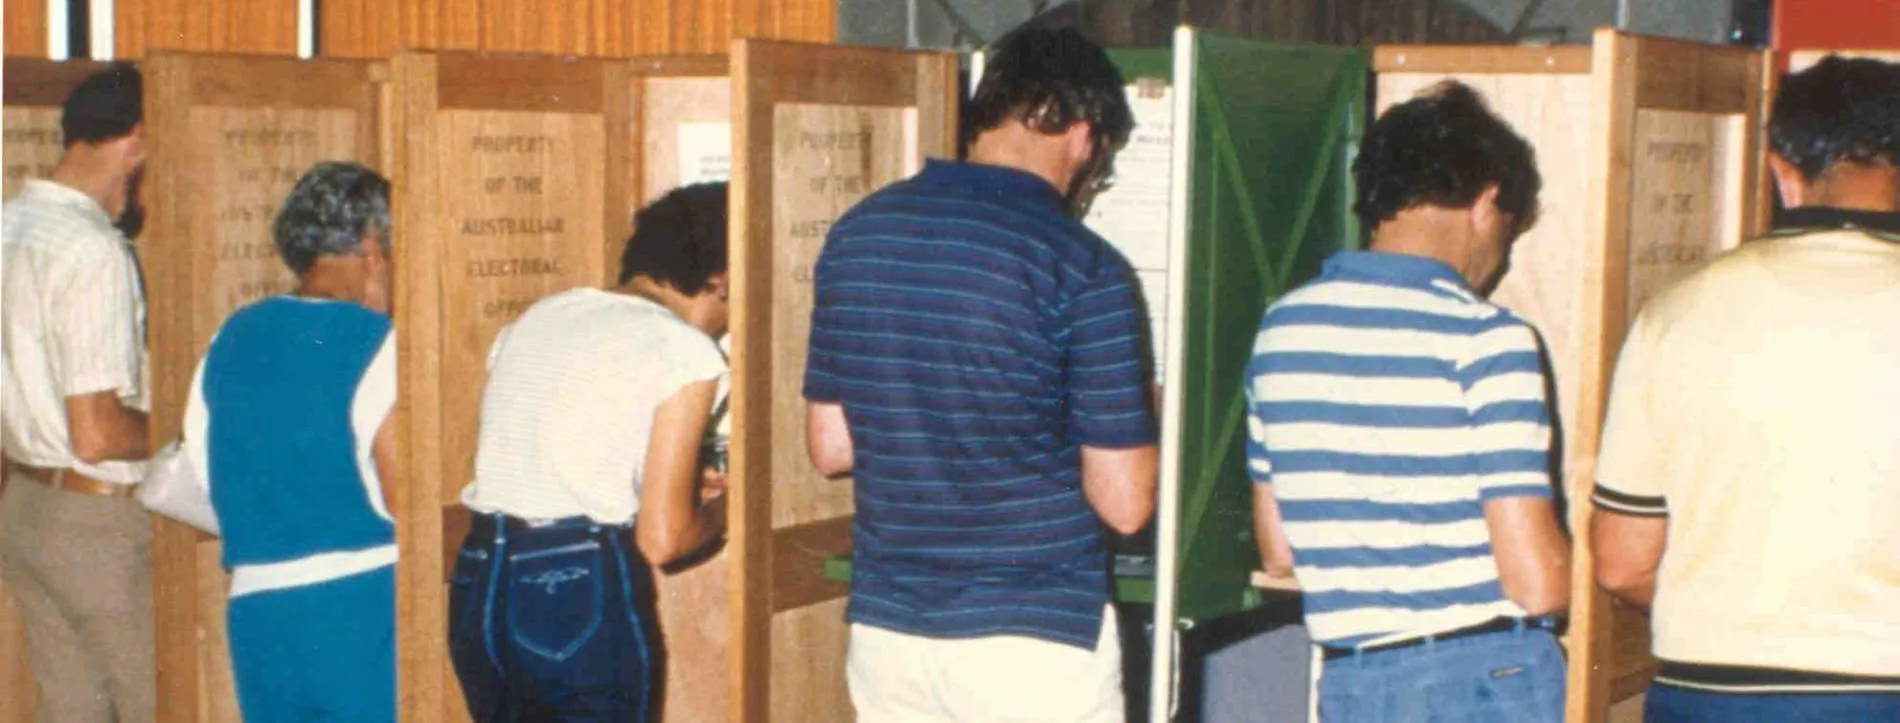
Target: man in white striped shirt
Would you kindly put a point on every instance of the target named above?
(73, 541)
(1400, 440)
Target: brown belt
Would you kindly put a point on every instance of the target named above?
(66, 479)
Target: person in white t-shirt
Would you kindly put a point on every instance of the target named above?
(588, 471)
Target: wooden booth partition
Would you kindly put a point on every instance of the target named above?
(508, 179)
(815, 129)
(34, 90)
(227, 136)
(681, 134)
(1647, 151)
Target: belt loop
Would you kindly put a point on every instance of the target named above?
(1431, 643)
(1519, 625)
(501, 529)
(59, 478)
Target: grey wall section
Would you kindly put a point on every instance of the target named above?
(885, 22)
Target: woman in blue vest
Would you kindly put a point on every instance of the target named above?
(289, 425)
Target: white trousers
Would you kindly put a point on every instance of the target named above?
(899, 678)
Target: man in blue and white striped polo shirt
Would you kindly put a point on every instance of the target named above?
(1400, 437)
(976, 364)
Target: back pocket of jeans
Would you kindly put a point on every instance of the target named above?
(554, 598)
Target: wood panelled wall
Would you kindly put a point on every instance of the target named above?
(1151, 23)
(378, 28)
(264, 27)
(599, 28)
(25, 28)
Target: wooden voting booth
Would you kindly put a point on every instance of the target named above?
(815, 129)
(33, 94)
(517, 177)
(227, 138)
(1647, 149)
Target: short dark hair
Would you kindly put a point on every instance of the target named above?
(679, 240)
(1050, 80)
(1841, 109)
(1443, 148)
(108, 104)
(329, 212)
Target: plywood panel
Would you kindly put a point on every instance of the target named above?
(814, 128)
(251, 158)
(1648, 157)
(512, 172)
(228, 137)
(589, 28)
(811, 641)
(1683, 180)
(667, 94)
(678, 109)
(1542, 283)
(824, 160)
(522, 201)
(32, 145)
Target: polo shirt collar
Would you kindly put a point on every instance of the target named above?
(1402, 269)
(998, 180)
(1808, 219)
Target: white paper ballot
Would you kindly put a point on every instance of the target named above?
(1133, 213)
(705, 152)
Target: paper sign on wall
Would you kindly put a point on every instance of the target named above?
(705, 152)
(1133, 213)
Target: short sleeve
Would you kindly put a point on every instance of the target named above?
(1109, 401)
(1505, 395)
(695, 358)
(375, 400)
(93, 323)
(821, 361)
(1633, 443)
(197, 428)
(1259, 466)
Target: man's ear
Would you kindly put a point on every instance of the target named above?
(721, 284)
(1789, 182)
(1484, 210)
(1079, 140)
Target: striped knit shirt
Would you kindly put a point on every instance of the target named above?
(977, 336)
(1387, 404)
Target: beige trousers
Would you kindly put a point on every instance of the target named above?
(80, 569)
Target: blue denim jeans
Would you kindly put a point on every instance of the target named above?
(553, 623)
(1505, 677)
(1669, 704)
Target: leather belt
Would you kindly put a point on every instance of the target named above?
(1494, 625)
(66, 479)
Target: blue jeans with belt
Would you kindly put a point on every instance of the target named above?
(553, 622)
(1515, 676)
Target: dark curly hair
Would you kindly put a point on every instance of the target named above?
(1443, 148)
(1839, 110)
(679, 240)
(1051, 80)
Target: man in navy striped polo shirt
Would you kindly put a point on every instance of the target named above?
(1400, 438)
(976, 365)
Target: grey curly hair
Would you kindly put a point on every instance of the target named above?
(329, 212)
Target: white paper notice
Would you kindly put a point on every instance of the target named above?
(705, 152)
(1133, 213)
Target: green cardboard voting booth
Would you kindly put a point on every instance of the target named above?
(1260, 140)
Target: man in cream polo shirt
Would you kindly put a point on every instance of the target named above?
(73, 541)
(1749, 484)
